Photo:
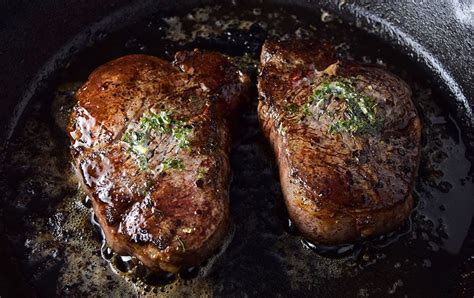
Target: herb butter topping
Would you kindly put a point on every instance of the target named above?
(138, 138)
(360, 113)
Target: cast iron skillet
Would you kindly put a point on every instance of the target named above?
(39, 39)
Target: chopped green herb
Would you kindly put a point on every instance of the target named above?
(137, 141)
(361, 110)
(161, 123)
(306, 111)
(172, 163)
(158, 122)
(202, 172)
(181, 134)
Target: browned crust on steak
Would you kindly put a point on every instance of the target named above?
(167, 219)
(338, 187)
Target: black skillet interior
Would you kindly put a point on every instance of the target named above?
(51, 247)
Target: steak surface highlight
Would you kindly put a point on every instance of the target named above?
(150, 142)
(346, 137)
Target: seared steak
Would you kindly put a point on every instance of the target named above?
(346, 137)
(150, 142)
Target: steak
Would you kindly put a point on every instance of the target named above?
(150, 143)
(346, 138)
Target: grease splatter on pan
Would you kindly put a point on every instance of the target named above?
(50, 226)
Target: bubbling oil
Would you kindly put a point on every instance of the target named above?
(61, 250)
